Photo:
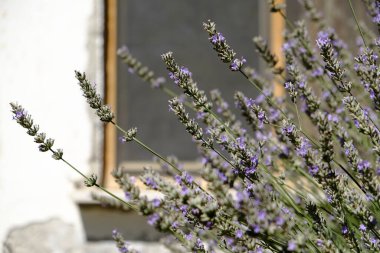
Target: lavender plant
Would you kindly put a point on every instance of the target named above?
(278, 180)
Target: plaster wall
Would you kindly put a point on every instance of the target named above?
(41, 44)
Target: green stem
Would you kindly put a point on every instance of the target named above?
(78, 171)
(288, 22)
(98, 186)
(147, 148)
(116, 197)
(156, 154)
(357, 23)
(298, 116)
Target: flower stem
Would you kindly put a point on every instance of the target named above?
(100, 187)
(298, 116)
(357, 23)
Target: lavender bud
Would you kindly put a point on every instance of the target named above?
(93, 99)
(91, 181)
(219, 43)
(130, 135)
(57, 155)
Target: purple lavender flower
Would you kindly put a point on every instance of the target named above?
(151, 183)
(19, 114)
(240, 141)
(178, 179)
(249, 101)
(280, 221)
(199, 244)
(254, 162)
(256, 229)
(152, 219)
(329, 198)
(128, 196)
(288, 129)
(362, 227)
(224, 138)
(185, 190)
(261, 116)
(344, 230)
(373, 240)
(376, 19)
(292, 245)
(195, 211)
(229, 241)
(259, 250)
(285, 210)
(183, 71)
(289, 45)
(204, 160)
(239, 234)
(221, 176)
(369, 197)
(303, 148)
(187, 178)
(175, 225)
(274, 114)
(123, 249)
(317, 72)
(332, 117)
(189, 237)
(363, 165)
(183, 209)
(323, 39)
(301, 84)
(173, 77)
(313, 170)
(357, 123)
(217, 38)
(261, 215)
(237, 64)
(156, 202)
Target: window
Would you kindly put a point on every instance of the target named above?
(151, 28)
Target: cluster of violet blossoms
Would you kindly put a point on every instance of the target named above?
(292, 173)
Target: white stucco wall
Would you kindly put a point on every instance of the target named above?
(42, 42)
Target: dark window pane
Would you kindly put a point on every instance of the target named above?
(150, 28)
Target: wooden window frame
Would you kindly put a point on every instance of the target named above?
(277, 25)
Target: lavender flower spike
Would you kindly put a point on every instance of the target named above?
(93, 98)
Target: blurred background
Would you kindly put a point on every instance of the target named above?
(43, 204)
